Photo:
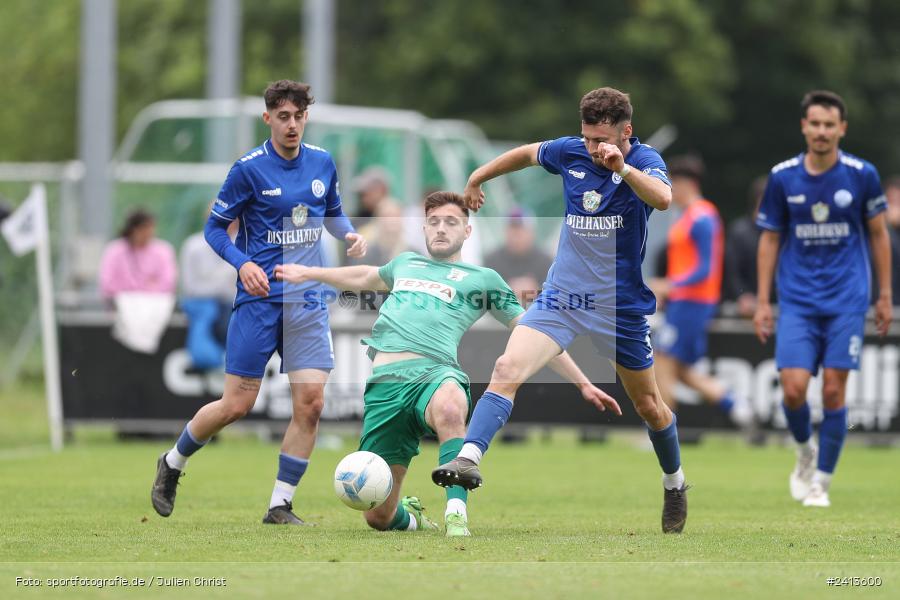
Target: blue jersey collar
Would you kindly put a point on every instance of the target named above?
(287, 164)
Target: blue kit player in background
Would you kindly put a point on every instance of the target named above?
(821, 219)
(611, 183)
(283, 193)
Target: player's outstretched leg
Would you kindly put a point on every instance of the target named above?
(794, 382)
(169, 469)
(396, 514)
(446, 414)
(662, 427)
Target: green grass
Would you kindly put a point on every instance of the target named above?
(555, 520)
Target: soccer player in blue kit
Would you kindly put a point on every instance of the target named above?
(283, 193)
(611, 183)
(821, 217)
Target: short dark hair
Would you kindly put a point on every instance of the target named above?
(135, 219)
(606, 106)
(687, 165)
(823, 98)
(441, 198)
(285, 90)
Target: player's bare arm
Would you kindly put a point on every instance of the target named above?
(254, 279)
(881, 255)
(360, 277)
(511, 160)
(565, 366)
(651, 190)
(767, 256)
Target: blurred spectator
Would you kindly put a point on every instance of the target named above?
(207, 290)
(892, 194)
(741, 243)
(138, 276)
(520, 261)
(385, 234)
(373, 188)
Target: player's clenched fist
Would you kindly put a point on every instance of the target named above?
(254, 279)
(292, 273)
(610, 157)
(473, 196)
(358, 245)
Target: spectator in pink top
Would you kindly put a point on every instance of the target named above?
(137, 261)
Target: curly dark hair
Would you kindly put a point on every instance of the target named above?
(285, 90)
(440, 198)
(605, 106)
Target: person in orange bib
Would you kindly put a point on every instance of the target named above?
(691, 290)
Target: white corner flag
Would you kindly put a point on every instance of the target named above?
(26, 230)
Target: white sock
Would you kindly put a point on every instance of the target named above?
(412, 523)
(283, 492)
(822, 478)
(472, 452)
(456, 505)
(673, 481)
(806, 448)
(175, 459)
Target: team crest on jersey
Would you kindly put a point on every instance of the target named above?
(843, 198)
(299, 215)
(318, 188)
(820, 212)
(591, 200)
(456, 275)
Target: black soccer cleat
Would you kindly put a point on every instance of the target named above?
(674, 512)
(284, 515)
(162, 496)
(459, 471)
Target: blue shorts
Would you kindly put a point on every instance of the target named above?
(258, 328)
(683, 335)
(623, 336)
(808, 342)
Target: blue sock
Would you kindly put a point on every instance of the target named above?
(832, 432)
(490, 414)
(187, 444)
(799, 422)
(291, 468)
(665, 443)
(726, 403)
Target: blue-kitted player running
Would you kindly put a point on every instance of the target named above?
(283, 193)
(822, 219)
(611, 183)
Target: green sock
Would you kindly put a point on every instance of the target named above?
(448, 452)
(401, 519)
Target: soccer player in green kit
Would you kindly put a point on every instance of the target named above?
(417, 386)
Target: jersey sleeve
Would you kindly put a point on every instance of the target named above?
(772, 214)
(550, 154)
(386, 272)
(235, 195)
(502, 301)
(875, 200)
(651, 163)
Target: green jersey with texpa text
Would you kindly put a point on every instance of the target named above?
(432, 304)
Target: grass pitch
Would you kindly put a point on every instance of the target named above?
(556, 519)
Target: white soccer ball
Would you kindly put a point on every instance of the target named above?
(363, 480)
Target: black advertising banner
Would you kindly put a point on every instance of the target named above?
(102, 380)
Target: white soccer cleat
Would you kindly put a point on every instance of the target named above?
(817, 496)
(801, 476)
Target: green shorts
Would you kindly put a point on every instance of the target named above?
(396, 397)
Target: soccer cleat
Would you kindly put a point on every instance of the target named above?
(162, 496)
(801, 476)
(459, 471)
(457, 525)
(284, 515)
(818, 496)
(414, 507)
(674, 512)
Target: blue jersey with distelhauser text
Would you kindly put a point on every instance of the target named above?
(604, 235)
(282, 206)
(824, 258)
